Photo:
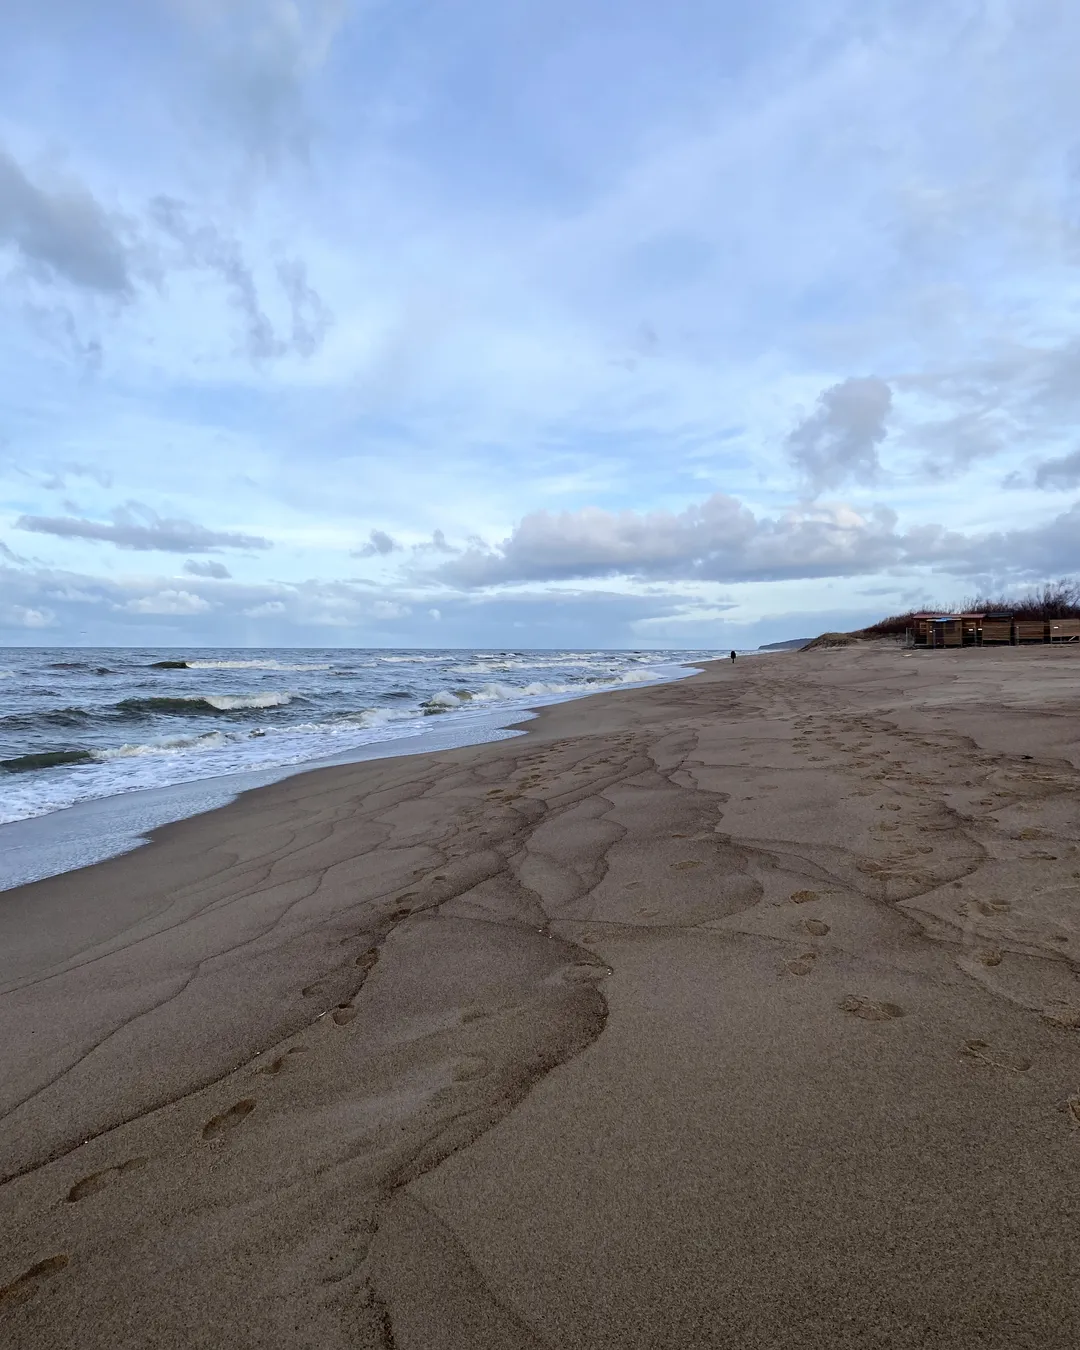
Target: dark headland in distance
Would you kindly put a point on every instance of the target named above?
(791, 645)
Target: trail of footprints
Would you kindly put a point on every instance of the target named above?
(219, 1127)
(874, 1010)
(216, 1129)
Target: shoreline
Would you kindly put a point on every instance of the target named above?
(739, 1010)
(99, 828)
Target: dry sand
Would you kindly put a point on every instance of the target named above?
(741, 1012)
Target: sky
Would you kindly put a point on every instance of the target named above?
(583, 323)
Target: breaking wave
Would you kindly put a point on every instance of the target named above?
(203, 703)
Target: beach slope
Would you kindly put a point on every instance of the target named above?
(737, 1012)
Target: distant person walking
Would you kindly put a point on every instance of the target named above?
(732, 658)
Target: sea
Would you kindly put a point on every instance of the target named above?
(100, 745)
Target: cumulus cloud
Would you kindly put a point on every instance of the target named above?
(839, 440)
(379, 544)
(169, 602)
(61, 232)
(267, 610)
(207, 569)
(1063, 472)
(720, 539)
(25, 616)
(1037, 552)
(135, 526)
(436, 544)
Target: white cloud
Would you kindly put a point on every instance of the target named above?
(839, 441)
(379, 544)
(721, 539)
(24, 616)
(169, 602)
(209, 568)
(135, 526)
(61, 232)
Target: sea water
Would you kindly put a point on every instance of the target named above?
(85, 725)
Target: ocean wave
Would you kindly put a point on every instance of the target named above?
(49, 717)
(418, 660)
(256, 665)
(74, 665)
(496, 692)
(217, 740)
(157, 727)
(186, 704)
(45, 759)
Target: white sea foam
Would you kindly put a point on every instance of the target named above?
(186, 759)
(256, 665)
(496, 691)
(237, 702)
(466, 686)
(409, 660)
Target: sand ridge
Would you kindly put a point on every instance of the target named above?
(736, 1012)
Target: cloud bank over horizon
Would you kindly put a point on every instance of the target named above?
(324, 323)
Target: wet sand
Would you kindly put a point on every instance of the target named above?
(739, 1012)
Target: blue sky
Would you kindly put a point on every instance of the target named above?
(343, 322)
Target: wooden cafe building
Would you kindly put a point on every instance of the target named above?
(997, 629)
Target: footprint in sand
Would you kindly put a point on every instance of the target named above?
(23, 1285)
(97, 1181)
(1062, 1015)
(343, 1014)
(802, 897)
(990, 958)
(983, 1053)
(816, 926)
(469, 1067)
(801, 965)
(684, 866)
(368, 960)
(870, 1010)
(228, 1120)
(276, 1066)
(584, 972)
(1072, 1106)
(324, 984)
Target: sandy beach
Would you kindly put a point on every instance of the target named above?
(737, 1012)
